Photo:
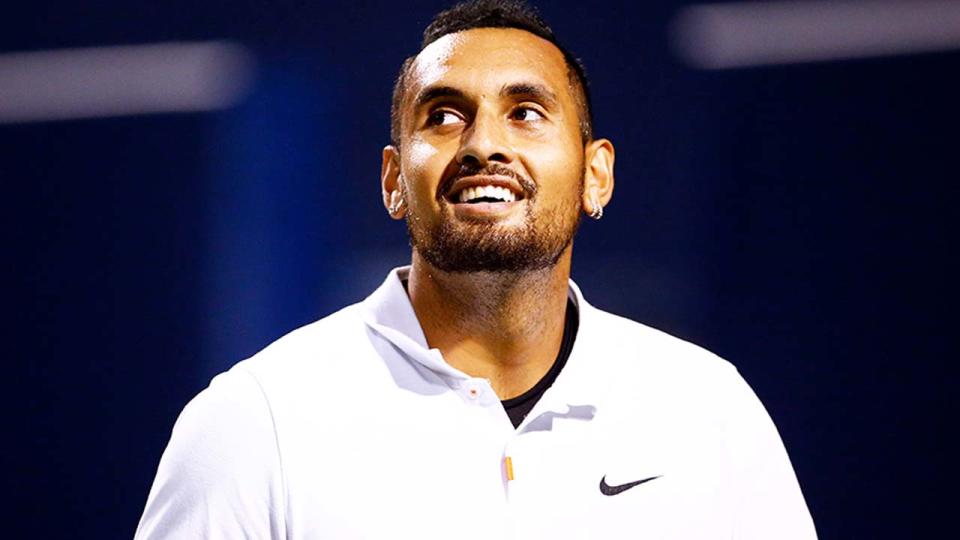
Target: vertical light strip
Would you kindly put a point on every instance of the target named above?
(740, 34)
(122, 80)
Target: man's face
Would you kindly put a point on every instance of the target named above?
(491, 155)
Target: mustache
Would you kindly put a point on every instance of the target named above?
(491, 169)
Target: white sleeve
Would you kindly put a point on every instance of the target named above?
(771, 504)
(220, 475)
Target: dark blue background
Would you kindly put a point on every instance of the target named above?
(797, 220)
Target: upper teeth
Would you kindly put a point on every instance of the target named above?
(493, 192)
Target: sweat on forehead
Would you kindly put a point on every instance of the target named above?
(468, 56)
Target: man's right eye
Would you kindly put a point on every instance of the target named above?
(443, 118)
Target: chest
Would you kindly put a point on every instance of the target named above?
(436, 466)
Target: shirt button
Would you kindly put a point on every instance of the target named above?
(474, 389)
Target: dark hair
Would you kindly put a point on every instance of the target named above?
(495, 14)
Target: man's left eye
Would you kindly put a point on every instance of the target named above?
(526, 114)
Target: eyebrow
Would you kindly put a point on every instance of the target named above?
(431, 93)
(535, 91)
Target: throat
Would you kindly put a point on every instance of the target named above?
(500, 326)
(495, 306)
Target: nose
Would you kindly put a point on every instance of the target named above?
(483, 142)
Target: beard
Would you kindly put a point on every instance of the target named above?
(483, 246)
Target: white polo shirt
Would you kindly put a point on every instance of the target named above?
(351, 427)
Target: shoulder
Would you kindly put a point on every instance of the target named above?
(225, 417)
(709, 415)
(220, 475)
(224, 458)
(334, 333)
(644, 367)
(318, 366)
(631, 345)
(325, 349)
(647, 369)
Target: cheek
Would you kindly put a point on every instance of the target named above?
(420, 170)
(420, 153)
(559, 170)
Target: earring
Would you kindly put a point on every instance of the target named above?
(396, 205)
(597, 209)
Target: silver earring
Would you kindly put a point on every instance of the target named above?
(396, 206)
(597, 211)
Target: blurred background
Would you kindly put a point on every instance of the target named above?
(185, 182)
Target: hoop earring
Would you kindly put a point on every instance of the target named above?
(396, 206)
(597, 211)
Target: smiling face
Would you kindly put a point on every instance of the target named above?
(491, 160)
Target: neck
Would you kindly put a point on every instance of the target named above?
(505, 327)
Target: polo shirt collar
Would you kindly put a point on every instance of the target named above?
(388, 312)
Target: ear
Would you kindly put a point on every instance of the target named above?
(391, 183)
(598, 175)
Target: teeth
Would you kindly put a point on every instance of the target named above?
(492, 192)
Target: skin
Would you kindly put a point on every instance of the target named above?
(505, 327)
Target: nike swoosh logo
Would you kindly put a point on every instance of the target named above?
(610, 491)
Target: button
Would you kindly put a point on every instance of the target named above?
(474, 388)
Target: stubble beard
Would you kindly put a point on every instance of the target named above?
(459, 247)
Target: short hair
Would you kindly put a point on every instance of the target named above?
(495, 14)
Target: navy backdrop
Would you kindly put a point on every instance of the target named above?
(797, 220)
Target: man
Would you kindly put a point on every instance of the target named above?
(476, 393)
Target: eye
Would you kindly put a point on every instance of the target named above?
(526, 114)
(443, 118)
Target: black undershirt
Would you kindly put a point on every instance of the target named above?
(518, 407)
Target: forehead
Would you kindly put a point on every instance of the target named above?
(483, 59)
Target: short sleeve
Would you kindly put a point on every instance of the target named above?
(771, 504)
(220, 475)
